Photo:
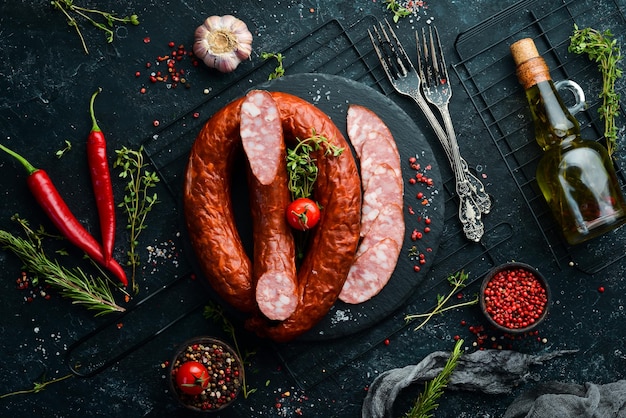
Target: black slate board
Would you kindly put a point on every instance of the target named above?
(333, 94)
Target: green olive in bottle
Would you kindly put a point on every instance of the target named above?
(576, 176)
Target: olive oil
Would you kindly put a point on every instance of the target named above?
(576, 176)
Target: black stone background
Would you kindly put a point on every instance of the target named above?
(46, 81)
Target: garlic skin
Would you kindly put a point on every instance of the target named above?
(223, 42)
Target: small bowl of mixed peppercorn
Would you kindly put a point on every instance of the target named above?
(206, 374)
(515, 297)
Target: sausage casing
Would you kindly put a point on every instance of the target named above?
(216, 241)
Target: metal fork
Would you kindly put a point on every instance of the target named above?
(437, 90)
(406, 81)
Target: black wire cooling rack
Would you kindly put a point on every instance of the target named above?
(487, 73)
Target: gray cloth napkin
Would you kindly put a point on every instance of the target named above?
(489, 371)
(565, 400)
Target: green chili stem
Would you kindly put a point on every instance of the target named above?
(94, 127)
(28, 166)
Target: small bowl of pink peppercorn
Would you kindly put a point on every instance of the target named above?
(206, 374)
(515, 297)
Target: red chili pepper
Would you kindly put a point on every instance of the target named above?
(101, 182)
(54, 206)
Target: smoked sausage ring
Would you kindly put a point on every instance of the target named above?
(213, 233)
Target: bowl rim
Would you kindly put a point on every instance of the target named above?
(510, 265)
(206, 340)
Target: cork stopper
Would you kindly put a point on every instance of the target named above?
(531, 67)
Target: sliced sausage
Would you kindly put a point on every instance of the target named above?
(382, 218)
(333, 241)
(274, 265)
(368, 275)
(388, 224)
(370, 272)
(383, 188)
(262, 136)
(364, 125)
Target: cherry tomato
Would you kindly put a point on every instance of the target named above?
(192, 377)
(302, 214)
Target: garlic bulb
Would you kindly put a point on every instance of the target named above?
(222, 42)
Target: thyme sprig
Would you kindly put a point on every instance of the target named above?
(602, 48)
(138, 200)
(302, 167)
(457, 281)
(398, 10)
(279, 71)
(68, 8)
(60, 153)
(216, 313)
(37, 386)
(427, 401)
(92, 292)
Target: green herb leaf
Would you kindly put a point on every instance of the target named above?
(37, 387)
(67, 7)
(92, 292)
(137, 202)
(279, 71)
(302, 166)
(600, 47)
(457, 281)
(398, 10)
(426, 402)
(68, 146)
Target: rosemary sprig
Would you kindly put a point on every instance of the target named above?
(302, 167)
(279, 71)
(457, 281)
(398, 10)
(602, 48)
(138, 201)
(433, 389)
(92, 292)
(67, 7)
(216, 313)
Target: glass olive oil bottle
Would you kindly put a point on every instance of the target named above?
(576, 176)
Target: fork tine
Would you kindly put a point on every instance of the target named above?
(422, 55)
(397, 46)
(433, 55)
(382, 57)
(439, 61)
(390, 52)
(430, 57)
(443, 60)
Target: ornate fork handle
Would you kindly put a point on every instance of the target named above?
(482, 199)
(469, 213)
(469, 210)
(477, 189)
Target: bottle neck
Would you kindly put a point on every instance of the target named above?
(533, 71)
(554, 125)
